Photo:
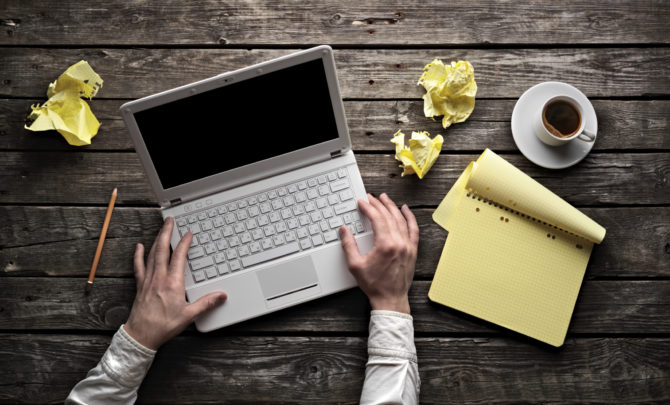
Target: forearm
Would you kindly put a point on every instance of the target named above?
(391, 375)
(117, 376)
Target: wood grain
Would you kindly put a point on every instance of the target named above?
(603, 307)
(362, 73)
(622, 124)
(60, 241)
(342, 23)
(208, 368)
(86, 178)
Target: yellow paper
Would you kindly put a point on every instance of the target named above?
(65, 111)
(450, 91)
(516, 253)
(420, 155)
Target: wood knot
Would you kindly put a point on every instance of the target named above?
(222, 41)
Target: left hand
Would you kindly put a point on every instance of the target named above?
(160, 310)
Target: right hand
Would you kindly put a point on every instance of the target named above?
(386, 272)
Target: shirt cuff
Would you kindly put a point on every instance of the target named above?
(391, 335)
(127, 361)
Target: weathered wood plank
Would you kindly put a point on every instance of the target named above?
(621, 125)
(60, 241)
(86, 178)
(363, 73)
(611, 307)
(347, 22)
(209, 368)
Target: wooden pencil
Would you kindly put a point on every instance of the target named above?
(101, 241)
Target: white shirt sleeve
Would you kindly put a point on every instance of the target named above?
(117, 376)
(392, 373)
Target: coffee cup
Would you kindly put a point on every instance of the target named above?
(561, 120)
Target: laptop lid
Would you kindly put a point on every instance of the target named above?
(240, 126)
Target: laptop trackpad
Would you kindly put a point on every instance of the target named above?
(288, 278)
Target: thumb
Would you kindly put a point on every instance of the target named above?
(204, 304)
(351, 251)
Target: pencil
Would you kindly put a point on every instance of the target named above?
(101, 241)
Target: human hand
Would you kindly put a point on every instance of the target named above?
(385, 273)
(160, 310)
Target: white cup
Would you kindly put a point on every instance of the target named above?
(549, 138)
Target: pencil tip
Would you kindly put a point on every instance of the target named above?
(114, 192)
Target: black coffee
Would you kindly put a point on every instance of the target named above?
(561, 118)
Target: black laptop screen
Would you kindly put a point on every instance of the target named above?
(239, 124)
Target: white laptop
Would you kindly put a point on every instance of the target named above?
(257, 163)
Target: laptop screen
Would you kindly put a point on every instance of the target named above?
(239, 124)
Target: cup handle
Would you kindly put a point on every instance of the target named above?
(587, 136)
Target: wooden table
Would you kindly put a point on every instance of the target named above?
(53, 196)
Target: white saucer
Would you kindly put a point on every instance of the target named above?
(526, 111)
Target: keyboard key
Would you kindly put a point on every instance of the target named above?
(243, 250)
(231, 206)
(330, 236)
(270, 254)
(311, 182)
(347, 218)
(231, 254)
(346, 195)
(257, 233)
(212, 213)
(286, 213)
(218, 221)
(245, 237)
(288, 201)
(234, 265)
(221, 210)
(230, 218)
(282, 191)
(269, 230)
(219, 257)
(332, 199)
(321, 203)
(199, 276)
(272, 194)
(195, 228)
(316, 216)
(252, 200)
(181, 222)
(298, 210)
(194, 242)
(304, 220)
(242, 215)
(324, 190)
(324, 226)
(242, 204)
(310, 206)
(305, 243)
(280, 227)
(292, 223)
(317, 240)
(300, 197)
(344, 207)
(202, 216)
(196, 252)
(253, 211)
(302, 185)
(206, 226)
(255, 247)
(314, 229)
(265, 208)
(335, 222)
(234, 241)
(228, 231)
(184, 230)
(262, 197)
(203, 238)
(211, 272)
(289, 236)
(302, 233)
(251, 224)
(339, 185)
(216, 235)
(192, 219)
(222, 268)
(239, 227)
(266, 243)
(292, 188)
(210, 248)
(327, 212)
(359, 226)
(278, 240)
(332, 176)
(274, 216)
(201, 263)
(342, 172)
(322, 179)
(222, 244)
(263, 220)
(277, 204)
(355, 216)
(312, 193)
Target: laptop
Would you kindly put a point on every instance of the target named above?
(257, 163)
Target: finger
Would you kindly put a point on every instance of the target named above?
(162, 254)
(412, 225)
(392, 227)
(139, 268)
(400, 222)
(204, 304)
(379, 225)
(351, 252)
(178, 261)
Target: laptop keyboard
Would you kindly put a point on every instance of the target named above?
(292, 218)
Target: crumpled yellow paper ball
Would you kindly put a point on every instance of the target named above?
(65, 111)
(450, 91)
(420, 155)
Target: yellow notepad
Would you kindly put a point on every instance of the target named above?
(516, 252)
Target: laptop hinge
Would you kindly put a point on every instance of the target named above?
(171, 203)
(335, 154)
